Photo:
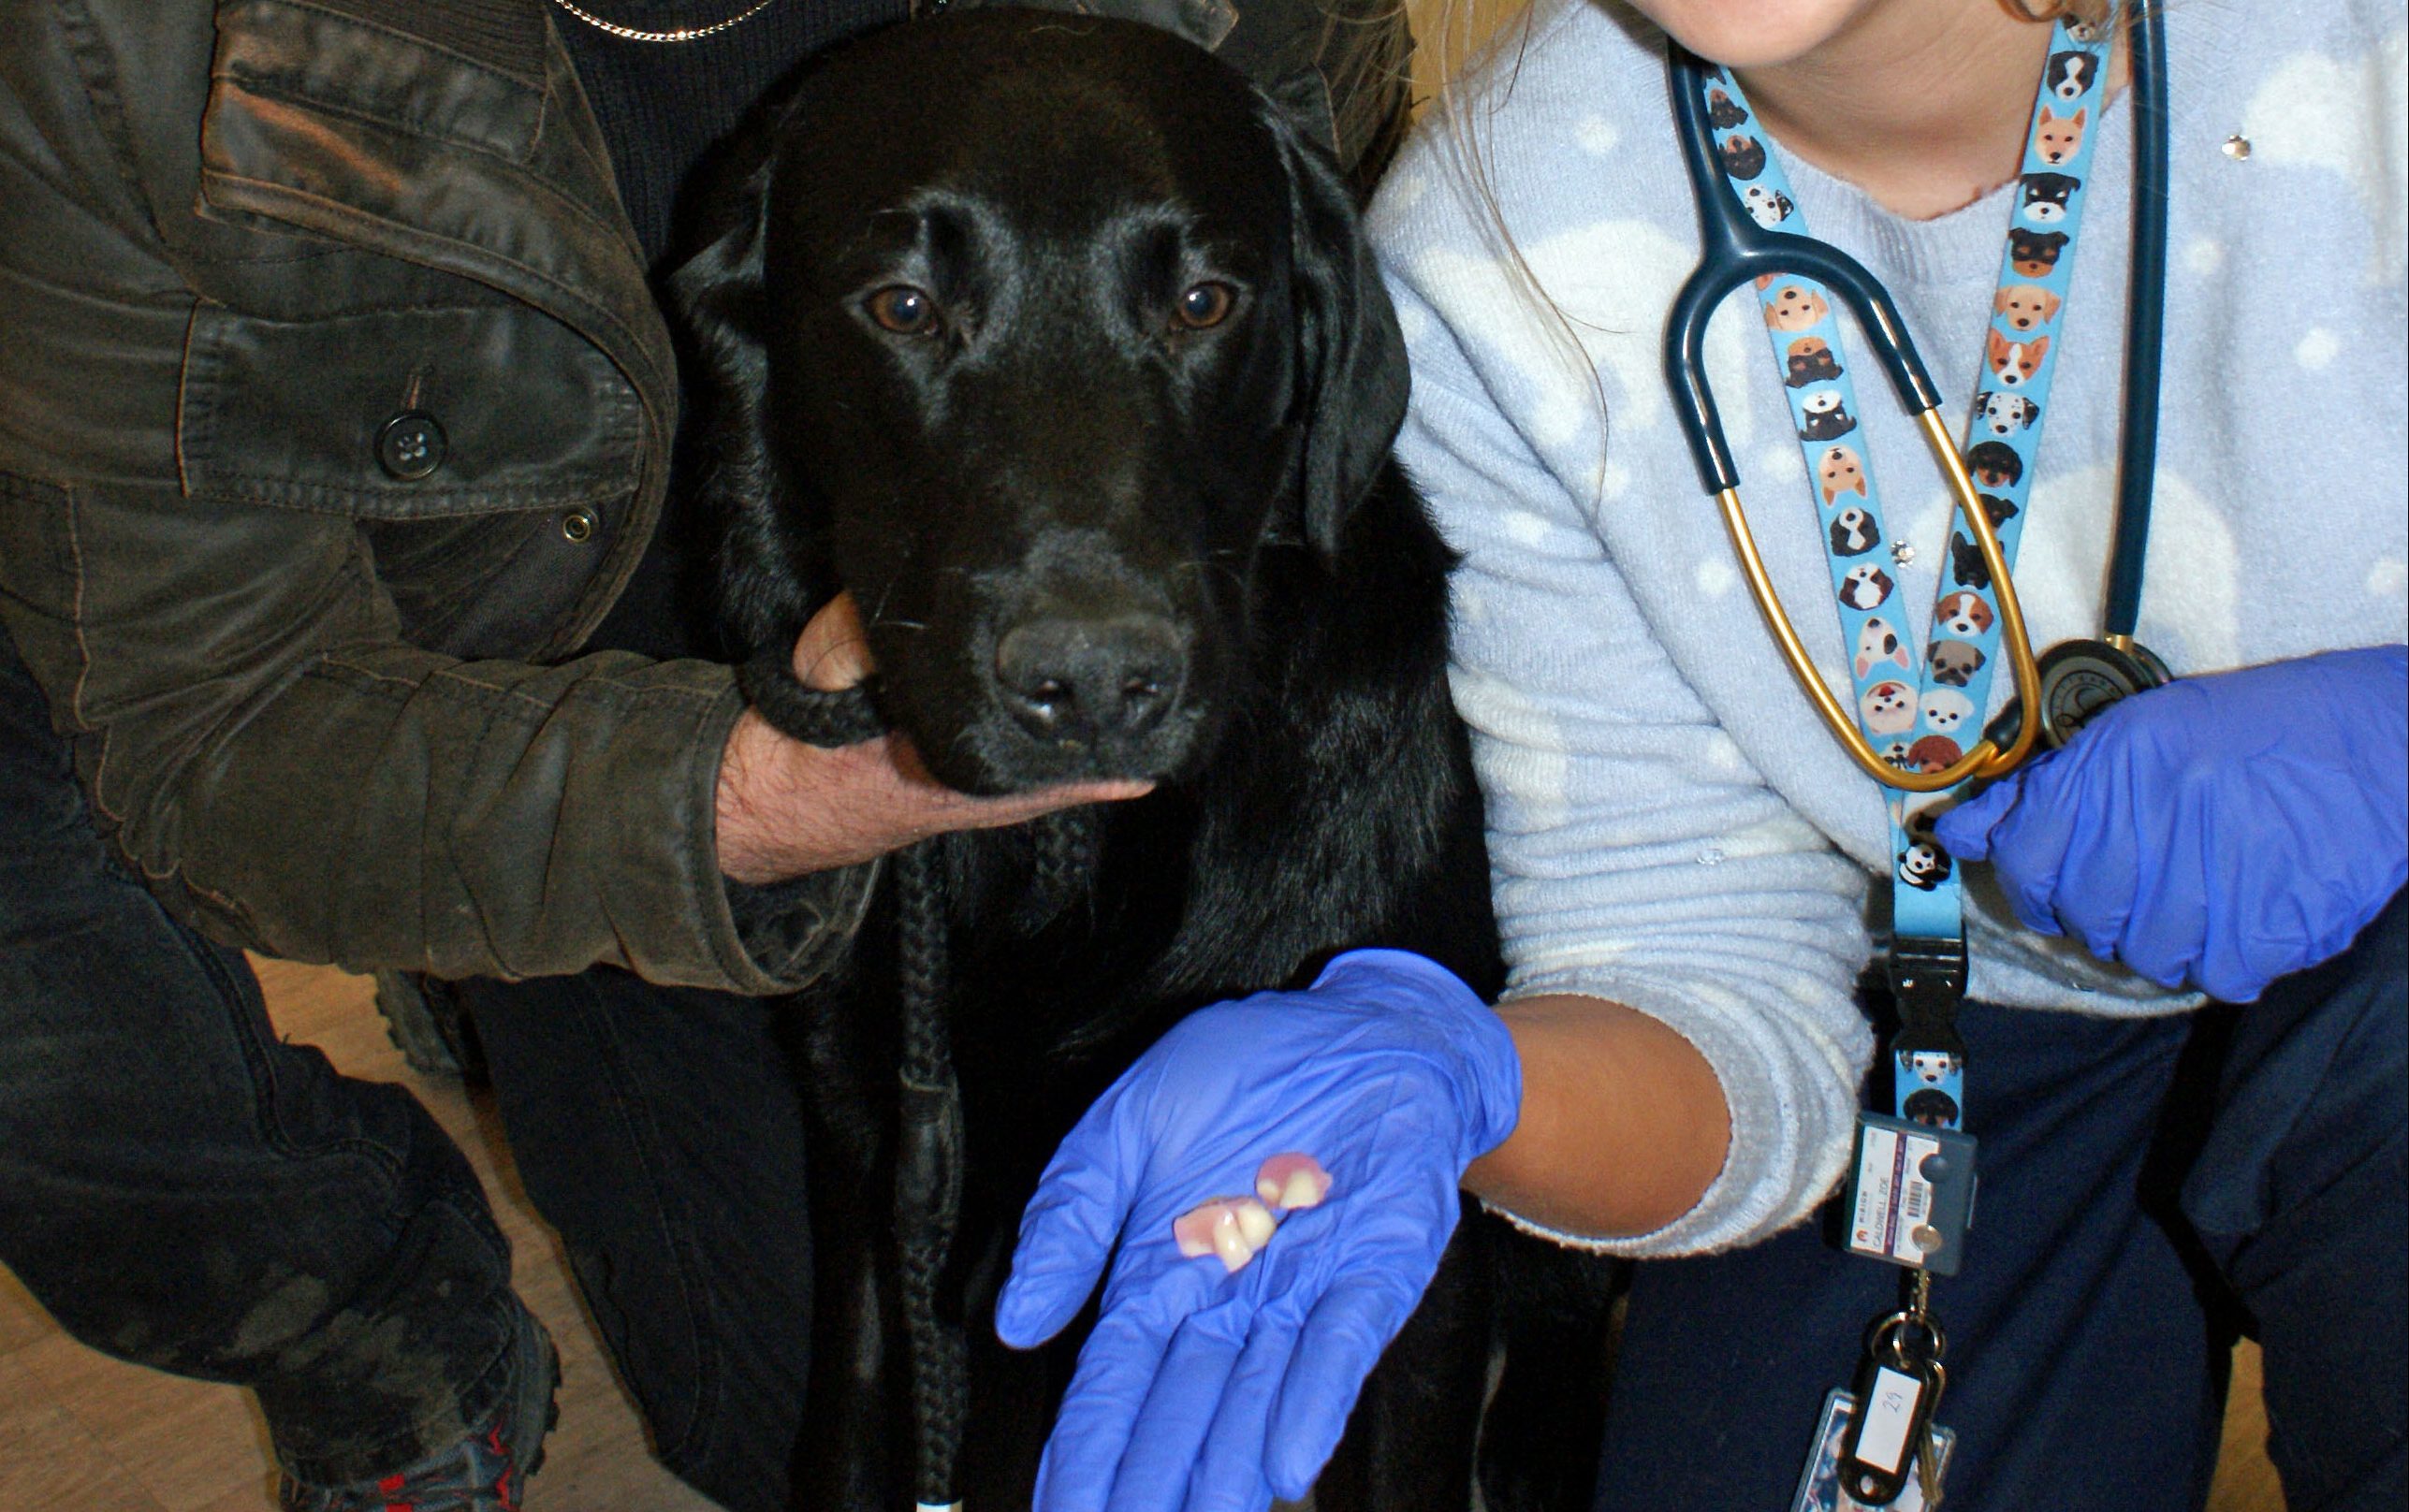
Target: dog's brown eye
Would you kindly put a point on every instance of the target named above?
(904, 310)
(1206, 304)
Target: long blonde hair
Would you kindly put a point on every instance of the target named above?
(1455, 39)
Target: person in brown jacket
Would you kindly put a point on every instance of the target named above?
(336, 624)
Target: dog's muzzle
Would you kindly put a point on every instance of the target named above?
(1104, 678)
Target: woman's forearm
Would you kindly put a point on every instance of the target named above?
(1623, 1125)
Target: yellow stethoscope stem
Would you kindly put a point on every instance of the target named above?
(1986, 760)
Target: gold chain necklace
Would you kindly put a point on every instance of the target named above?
(682, 33)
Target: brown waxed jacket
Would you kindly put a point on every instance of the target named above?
(334, 413)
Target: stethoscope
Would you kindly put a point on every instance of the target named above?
(2072, 681)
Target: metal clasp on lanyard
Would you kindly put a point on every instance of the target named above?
(1899, 1387)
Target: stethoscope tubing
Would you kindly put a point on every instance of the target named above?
(2145, 325)
(1735, 250)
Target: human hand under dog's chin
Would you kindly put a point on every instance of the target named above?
(784, 808)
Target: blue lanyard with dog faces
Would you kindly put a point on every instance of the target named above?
(1910, 1191)
(1922, 712)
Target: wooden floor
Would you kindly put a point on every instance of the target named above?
(80, 1433)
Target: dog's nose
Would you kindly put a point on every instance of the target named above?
(1076, 677)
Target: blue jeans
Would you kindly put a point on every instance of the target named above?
(182, 1189)
(2148, 1189)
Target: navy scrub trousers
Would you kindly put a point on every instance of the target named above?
(2148, 1187)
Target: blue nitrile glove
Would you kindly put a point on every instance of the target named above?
(2221, 830)
(1209, 1390)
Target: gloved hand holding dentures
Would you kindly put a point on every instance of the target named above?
(1221, 1376)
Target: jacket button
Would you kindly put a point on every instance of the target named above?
(579, 524)
(411, 445)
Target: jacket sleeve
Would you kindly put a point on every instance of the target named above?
(1636, 854)
(255, 733)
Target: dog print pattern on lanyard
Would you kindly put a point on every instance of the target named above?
(1920, 713)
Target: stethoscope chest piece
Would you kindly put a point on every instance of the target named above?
(2079, 679)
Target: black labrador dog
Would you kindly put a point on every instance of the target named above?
(1054, 343)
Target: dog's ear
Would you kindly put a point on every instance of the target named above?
(717, 288)
(1352, 360)
(728, 475)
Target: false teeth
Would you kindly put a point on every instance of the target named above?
(1231, 1228)
(1289, 1182)
(1234, 1228)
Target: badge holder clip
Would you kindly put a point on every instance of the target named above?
(1910, 1194)
(1927, 979)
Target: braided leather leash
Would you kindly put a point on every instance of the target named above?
(928, 1198)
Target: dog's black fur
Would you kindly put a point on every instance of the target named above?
(1092, 539)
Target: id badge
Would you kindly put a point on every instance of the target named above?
(1910, 1192)
(1819, 1488)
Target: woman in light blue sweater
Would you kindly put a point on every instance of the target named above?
(1673, 830)
(1693, 878)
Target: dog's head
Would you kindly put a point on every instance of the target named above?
(1034, 332)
